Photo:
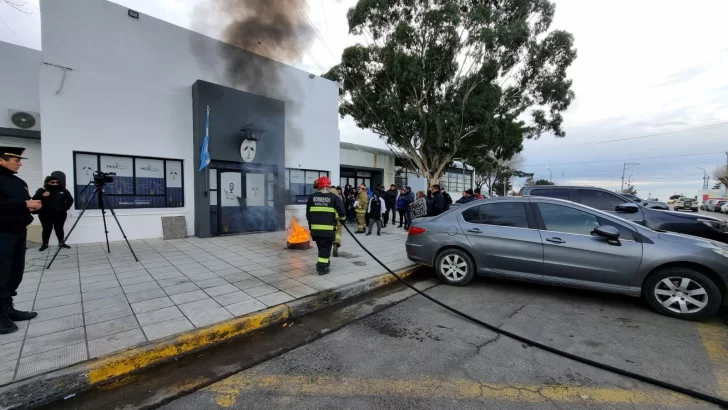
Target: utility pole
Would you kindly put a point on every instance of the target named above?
(628, 165)
(551, 176)
(706, 179)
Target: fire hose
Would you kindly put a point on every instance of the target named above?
(622, 372)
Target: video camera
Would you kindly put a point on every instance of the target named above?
(101, 178)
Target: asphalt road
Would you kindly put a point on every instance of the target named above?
(416, 355)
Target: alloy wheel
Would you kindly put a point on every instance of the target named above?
(454, 267)
(681, 295)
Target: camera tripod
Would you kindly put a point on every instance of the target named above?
(100, 196)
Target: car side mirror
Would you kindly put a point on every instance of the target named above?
(629, 207)
(607, 231)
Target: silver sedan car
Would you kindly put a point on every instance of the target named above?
(559, 242)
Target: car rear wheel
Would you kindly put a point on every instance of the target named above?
(682, 293)
(455, 267)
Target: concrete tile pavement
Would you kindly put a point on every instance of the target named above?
(92, 303)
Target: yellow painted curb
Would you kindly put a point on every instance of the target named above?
(135, 359)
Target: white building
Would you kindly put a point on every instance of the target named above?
(130, 95)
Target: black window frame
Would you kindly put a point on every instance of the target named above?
(301, 199)
(78, 204)
(530, 219)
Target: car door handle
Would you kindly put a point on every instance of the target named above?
(555, 240)
(475, 230)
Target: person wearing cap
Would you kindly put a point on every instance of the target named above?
(323, 209)
(56, 202)
(15, 209)
(468, 196)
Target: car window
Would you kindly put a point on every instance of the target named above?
(511, 214)
(624, 232)
(552, 193)
(559, 218)
(601, 200)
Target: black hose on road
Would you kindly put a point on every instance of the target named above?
(636, 376)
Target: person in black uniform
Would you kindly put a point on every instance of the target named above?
(56, 202)
(15, 209)
(322, 211)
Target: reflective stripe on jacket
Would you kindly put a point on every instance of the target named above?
(322, 211)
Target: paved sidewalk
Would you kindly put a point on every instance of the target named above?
(91, 303)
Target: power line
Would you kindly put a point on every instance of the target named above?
(622, 160)
(700, 128)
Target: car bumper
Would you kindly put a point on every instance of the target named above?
(418, 254)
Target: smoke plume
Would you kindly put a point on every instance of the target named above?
(276, 29)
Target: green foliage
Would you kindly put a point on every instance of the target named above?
(445, 79)
(543, 182)
(630, 190)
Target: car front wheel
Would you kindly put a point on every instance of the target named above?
(455, 267)
(682, 293)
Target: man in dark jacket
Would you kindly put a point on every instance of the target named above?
(446, 197)
(323, 209)
(56, 202)
(438, 201)
(468, 196)
(408, 199)
(390, 202)
(15, 209)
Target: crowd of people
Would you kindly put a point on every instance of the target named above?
(369, 207)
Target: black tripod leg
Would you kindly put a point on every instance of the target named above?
(68, 235)
(108, 205)
(102, 199)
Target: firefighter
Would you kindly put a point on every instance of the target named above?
(323, 210)
(362, 203)
(337, 238)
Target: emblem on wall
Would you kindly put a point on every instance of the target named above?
(247, 150)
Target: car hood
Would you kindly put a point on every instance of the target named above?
(691, 217)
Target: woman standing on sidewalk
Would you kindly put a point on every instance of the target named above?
(56, 202)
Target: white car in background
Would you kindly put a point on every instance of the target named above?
(724, 209)
(686, 203)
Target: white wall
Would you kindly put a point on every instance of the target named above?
(355, 158)
(19, 70)
(129, 92)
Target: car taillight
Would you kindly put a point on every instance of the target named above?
(415, 230)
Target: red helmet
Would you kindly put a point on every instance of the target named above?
(324, 182)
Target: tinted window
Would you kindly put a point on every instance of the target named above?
(624, 232)
(501, 214)
(601, 200)
(559, 218)
(552, 193)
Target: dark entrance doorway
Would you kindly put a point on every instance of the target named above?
(242, 199)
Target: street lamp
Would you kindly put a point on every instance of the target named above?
(705, 178)
(629, 180)
(551, 178)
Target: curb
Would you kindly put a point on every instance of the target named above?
(56, 385)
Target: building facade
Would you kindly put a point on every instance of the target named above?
(130, 95)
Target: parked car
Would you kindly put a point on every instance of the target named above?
(724, 208)
(686, 203)
(697, 225)
(705, 204)
(652, 204)
(715, 206)
(673, 199)
(559, 242)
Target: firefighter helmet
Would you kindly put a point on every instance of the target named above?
(324, 182)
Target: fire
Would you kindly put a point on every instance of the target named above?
(297, 233)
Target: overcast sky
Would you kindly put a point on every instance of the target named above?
(644, 67)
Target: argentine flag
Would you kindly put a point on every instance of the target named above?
(205, 154)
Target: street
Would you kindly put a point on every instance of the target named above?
(714, 214)
(417, 355)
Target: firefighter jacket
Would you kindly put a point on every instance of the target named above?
(362, 202)
(323, 209)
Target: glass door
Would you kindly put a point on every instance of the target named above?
(230, 202)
